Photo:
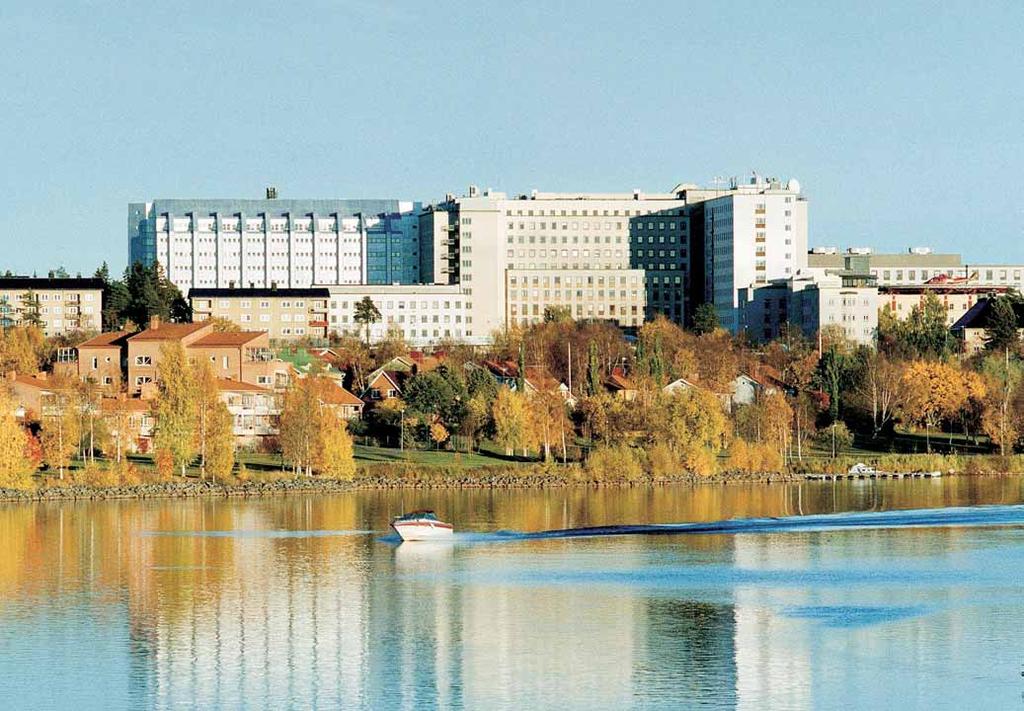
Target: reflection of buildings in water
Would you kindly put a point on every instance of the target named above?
(787, 634)
(688, 654)
(425, 669)
(773, 654)
(286, 624)
(531, 644)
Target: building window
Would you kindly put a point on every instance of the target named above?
(143, 360)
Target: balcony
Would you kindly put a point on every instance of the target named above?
(259, 355)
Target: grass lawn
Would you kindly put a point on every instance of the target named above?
(367, 456)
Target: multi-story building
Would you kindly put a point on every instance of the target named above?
(58, 305)
(812, 302)
(752, 235)
(956, 294)
(918, 265)
(422, 314)
(283, 243)
(244, 356)
(285, 314)
(615, 256)
(102, 359)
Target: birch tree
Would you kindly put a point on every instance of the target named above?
(175, 409)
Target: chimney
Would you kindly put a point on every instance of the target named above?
(154, 322)
(271, 192)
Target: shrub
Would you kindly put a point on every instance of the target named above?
(662, 462)
(613, 463)
(97, 475)
(243, 475)
(844, 438)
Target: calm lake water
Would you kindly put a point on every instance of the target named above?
(307, 602)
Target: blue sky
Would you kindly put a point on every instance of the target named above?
(904, 125)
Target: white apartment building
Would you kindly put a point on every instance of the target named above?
(617, 256)
(277, 243)
(58, 305)
(812, 302)
(423, 314)
(754, 234)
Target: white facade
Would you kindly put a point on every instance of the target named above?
(282, 243)
(754, 234)
(811, 303)
(614, 256)
(423, 314)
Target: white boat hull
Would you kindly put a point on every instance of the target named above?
(423, 530)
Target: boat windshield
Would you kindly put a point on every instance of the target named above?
(412, 515)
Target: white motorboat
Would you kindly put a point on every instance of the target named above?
(421, 526)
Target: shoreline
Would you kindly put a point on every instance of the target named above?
(196, 488)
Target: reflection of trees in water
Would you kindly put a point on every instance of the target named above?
(689, 652)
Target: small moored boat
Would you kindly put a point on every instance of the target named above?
(421, 526)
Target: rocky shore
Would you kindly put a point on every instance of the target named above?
(195, 488)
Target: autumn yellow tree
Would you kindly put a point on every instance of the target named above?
(174, 410)
(214, 425)
(510, 421)
(21, 349)
(934, 390)
(301, 420)
(438, 433)
(335, 453)
(15, 466)
(1002, 416)
(695, 427)
(778, 420)
(61, 425)
(549, 420)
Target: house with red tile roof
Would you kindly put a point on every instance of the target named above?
(342, 402)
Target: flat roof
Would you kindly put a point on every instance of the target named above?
(24, 282)
(258, 292)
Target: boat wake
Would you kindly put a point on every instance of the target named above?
(920, 518)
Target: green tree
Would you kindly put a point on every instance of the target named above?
(174, 410)
(593, 371)
(366, 314)
(557, 314)
(705, 319)
(521, 371)
(149, 294)
(432, 394)
(1001, 333)
(30, 309)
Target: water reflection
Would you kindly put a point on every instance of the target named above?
(288, 602)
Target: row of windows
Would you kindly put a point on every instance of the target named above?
(390, 304)
(569, 294)
(586, 226)
(583, 213)
(59, 296)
